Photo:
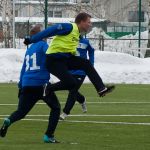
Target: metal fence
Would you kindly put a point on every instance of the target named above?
(129, 46)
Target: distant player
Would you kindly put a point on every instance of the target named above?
(85, 50)
(32, 78)
(61, 55)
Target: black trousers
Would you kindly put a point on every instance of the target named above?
(74, 95)
(28, 98)
(59, 67)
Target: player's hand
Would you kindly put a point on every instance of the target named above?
(19, 92)
(27, 40)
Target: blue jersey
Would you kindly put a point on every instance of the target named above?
(85, 50)
(34, 72)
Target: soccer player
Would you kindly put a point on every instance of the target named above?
(61, 55)
(32, 78)
(84, 49)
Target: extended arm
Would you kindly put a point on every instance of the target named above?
(57, 29)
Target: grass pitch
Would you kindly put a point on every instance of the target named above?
(119, 121)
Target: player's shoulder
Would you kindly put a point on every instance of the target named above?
(62, 26)
(37, 47)
(41, 44)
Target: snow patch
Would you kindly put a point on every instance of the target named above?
(113, 67)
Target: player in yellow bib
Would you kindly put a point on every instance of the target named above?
(61, 55)
(59, 44)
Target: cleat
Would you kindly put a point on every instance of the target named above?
(47, 139)
(106, 90)
(84, 107)
(4, 128)
(63, 116)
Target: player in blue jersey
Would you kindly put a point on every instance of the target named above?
(61, 55)
(85, 50)
(32, 78)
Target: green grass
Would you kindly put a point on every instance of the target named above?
(27, 135)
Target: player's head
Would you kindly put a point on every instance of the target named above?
(83, 20)
(35, 29)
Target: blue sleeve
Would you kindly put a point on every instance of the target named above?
(22, 73)
(90, 53)
(45, 47)
(57, 29)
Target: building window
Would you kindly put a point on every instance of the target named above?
(134, 16)
(85, 1)
(16, 13)
(50, 13)
(58, 14)
(71, 1)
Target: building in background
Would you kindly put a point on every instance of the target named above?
(118, 11)
(122, 14)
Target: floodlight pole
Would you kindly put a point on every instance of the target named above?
(139, 40)
(45, 13)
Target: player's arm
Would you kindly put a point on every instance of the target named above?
(57, 29)
(90, 52)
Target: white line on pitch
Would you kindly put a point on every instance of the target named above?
(105, 122)
(89, 103)
(94, 122)
(89, 115)
(94, 115)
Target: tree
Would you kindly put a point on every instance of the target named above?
(97, 8)
(7, 21)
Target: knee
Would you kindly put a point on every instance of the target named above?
(88, 64)
(71, 84)
(56, 109)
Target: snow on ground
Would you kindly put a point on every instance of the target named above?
(11, 61)
(113, 67)
(122, 68)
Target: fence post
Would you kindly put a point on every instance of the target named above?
(148, 44)
(101, 43)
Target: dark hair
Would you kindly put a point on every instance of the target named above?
(35, 29)
(82, 17)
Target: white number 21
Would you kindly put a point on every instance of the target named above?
(33, 65)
